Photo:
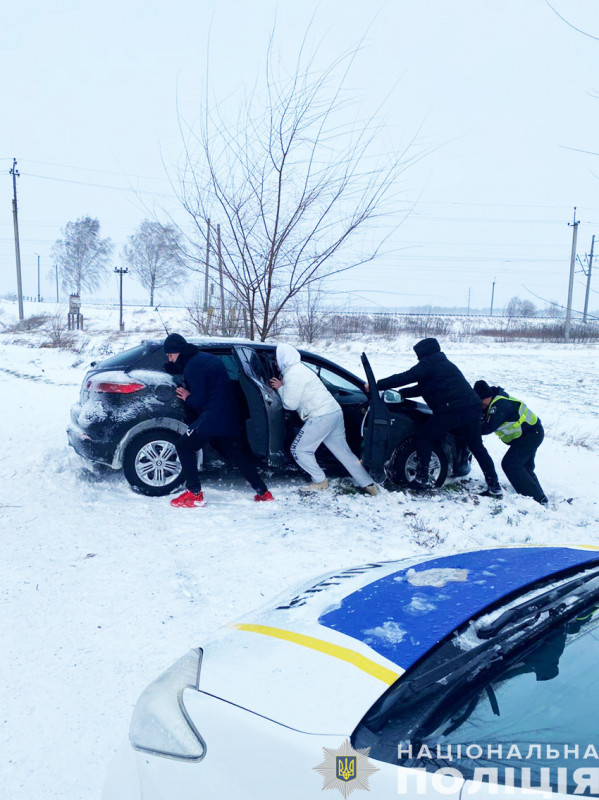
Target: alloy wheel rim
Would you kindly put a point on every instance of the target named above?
(434, 468)
(157, 464)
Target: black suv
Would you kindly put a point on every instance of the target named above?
(129, 417)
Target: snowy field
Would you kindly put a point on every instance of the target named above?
(101, 589)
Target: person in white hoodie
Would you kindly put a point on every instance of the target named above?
(302, 390)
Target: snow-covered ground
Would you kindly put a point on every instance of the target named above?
(101, 589)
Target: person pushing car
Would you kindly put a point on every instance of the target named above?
(210, 401)
(456, 409)
(518, 427)
(302, 390)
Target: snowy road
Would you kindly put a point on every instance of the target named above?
(101, 589)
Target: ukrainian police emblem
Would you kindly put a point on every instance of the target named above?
(346, 769)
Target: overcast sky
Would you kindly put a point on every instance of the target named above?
(505, 94)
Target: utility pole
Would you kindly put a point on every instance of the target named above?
(39, 297)
(492, 295)
(56, 270)
(586, 296)
(15, 174)
(220, 278)
(121, 271)
(574, 225)
(469, 290)
(207, 268)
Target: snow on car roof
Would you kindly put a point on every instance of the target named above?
(405, 613)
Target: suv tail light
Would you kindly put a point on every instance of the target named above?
(114, 387)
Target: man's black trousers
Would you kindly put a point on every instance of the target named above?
(519, 463)
(232, 448)
(464, 423)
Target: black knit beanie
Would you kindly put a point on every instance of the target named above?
(174, 343)
(426, 347)
(483, 389)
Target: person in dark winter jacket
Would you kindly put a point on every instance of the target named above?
(455, 406)
(211, 406)
(519, 428)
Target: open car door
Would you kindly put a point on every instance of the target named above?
(265, 426)
(376, 428)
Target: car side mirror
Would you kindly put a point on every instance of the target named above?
(391, 396)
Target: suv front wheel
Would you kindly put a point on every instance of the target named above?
(401, 467)
(151, 464)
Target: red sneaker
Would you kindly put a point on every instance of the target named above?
(263, 497)
(189, 500)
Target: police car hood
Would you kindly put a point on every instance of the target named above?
(318, 658)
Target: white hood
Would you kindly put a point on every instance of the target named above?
(287, 356)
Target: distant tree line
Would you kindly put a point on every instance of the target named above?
(525, 308)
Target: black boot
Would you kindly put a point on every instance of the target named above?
(420, 483)
(493, 490)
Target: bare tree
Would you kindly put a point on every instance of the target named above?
(554, 310)
(153, 255)
(528, 308)
(82, 256)
(294, 181)
(310, 317)
(520, 308)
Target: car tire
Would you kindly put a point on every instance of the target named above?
(401, 467)
(151, 464)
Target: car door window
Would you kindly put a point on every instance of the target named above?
(253, 365)
(332, 380)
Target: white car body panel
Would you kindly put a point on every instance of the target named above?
(322, 681)
(265, 760)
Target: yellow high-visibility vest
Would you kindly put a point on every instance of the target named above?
(513, 429)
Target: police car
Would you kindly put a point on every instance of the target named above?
(464, 674)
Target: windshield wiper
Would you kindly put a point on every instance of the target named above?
(529, 611)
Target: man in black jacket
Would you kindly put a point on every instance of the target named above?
(456, 409)
(210, 402)
(519, 428)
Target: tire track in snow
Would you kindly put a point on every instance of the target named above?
(39, 378)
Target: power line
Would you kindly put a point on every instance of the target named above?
(415, 203)
(91, 169)
(95, 185)
(569, 24)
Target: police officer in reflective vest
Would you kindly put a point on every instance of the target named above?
(519, 428)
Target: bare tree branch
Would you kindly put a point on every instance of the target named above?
(292, 179)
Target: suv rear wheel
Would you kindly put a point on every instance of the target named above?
(151, 464)
(401, 467)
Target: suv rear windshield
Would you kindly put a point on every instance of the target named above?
(126, 359)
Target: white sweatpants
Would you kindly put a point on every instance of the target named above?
(330, 431)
